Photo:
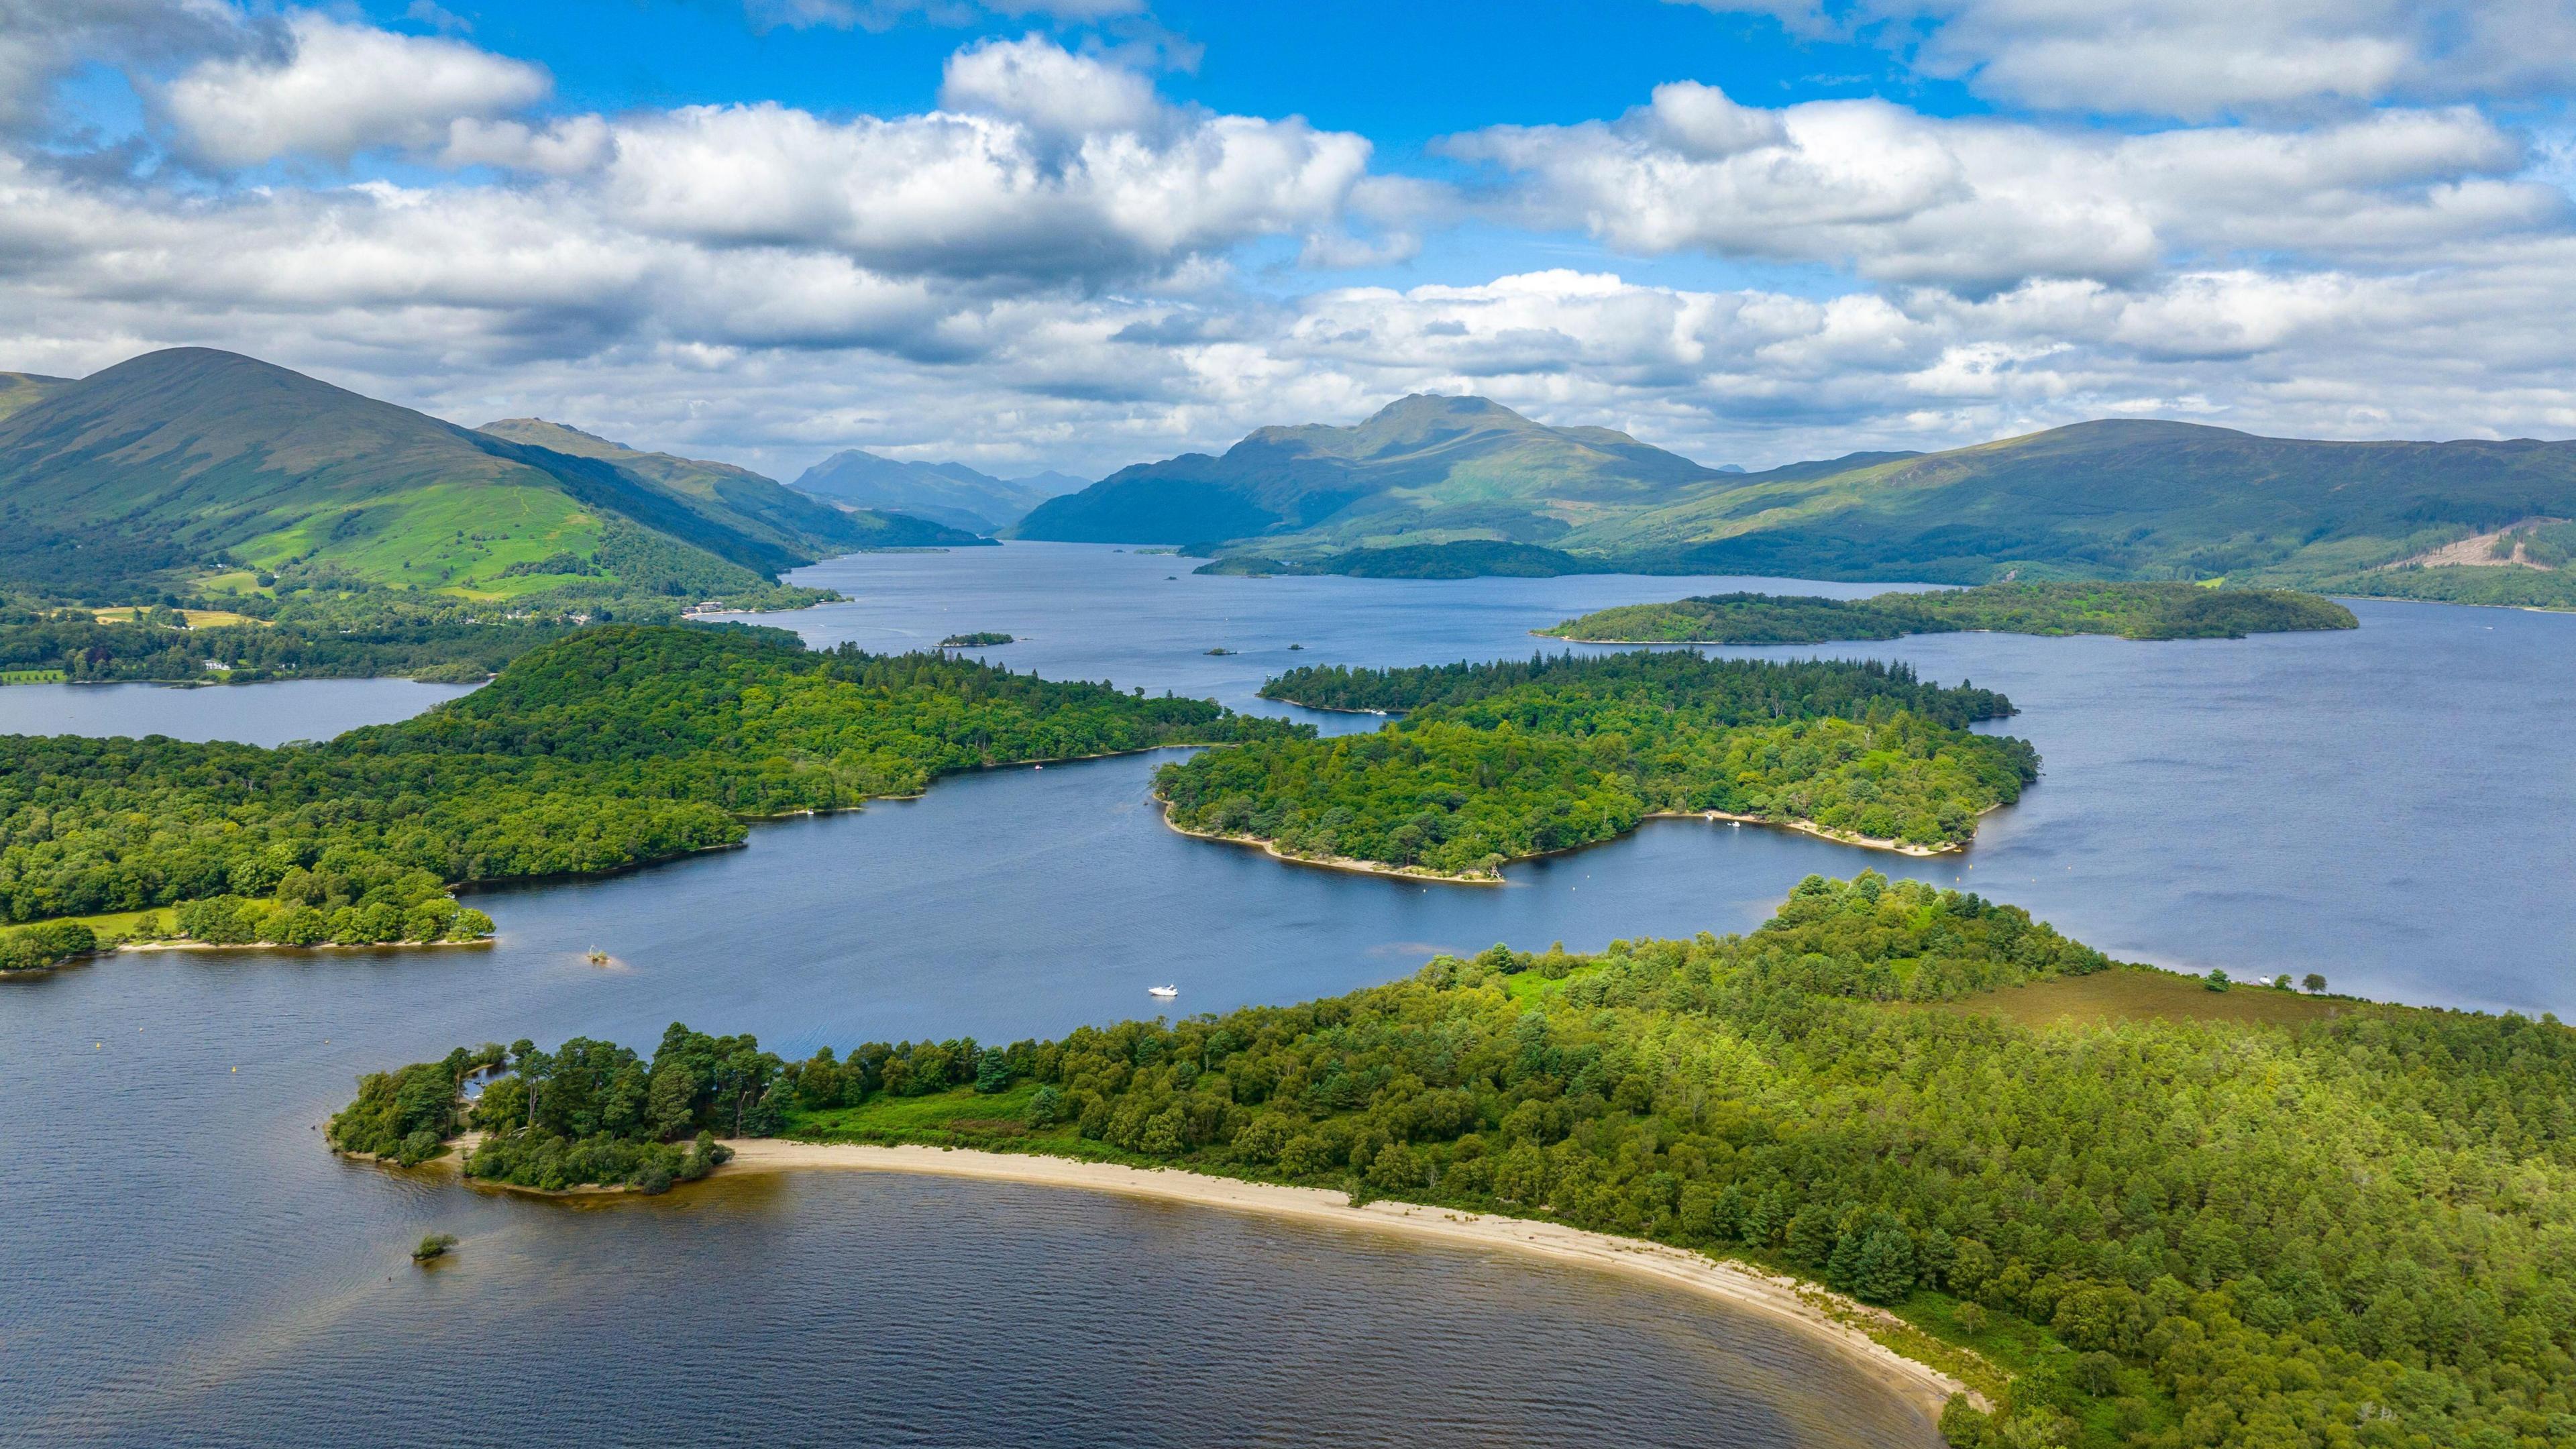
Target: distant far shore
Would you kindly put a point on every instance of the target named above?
(1826, 1316)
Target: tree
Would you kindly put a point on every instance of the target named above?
(2216, 980)
(2315, 983)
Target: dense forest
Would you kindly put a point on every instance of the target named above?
(1495, 762)
(2129, 610)
(49, 943)
(316, 622)
(614, 745)
(589, 1113)
(2171, 1232)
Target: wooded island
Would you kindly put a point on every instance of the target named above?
(2181, 1225)
(1497, 762)
(2129, 610)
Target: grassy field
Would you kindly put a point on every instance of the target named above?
(197, 618)
(437, 534)
(2132, 993)
(31, 676)
(125, 925)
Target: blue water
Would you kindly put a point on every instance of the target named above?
(185, 1264)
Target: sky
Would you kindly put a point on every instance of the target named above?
(1077, 234)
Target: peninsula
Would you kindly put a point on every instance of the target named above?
(1499, 762)
(2077, 1188)
(603, 749)
(2128, 610)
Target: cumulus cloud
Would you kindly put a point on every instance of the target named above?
(975, 194)
(43, 40)
(337, 89)
(1039, 272)
(1053, 90)
(2205, 58)
(1981, 204)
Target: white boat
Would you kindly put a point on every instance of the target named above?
(1165, 992)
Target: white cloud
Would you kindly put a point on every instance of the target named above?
(340, 89)
(1981, 204)
(884, 14)
(1051, 89)
(2205, 58)
(1041, 272)
(960, 193)
(567, 147)
(43, 40)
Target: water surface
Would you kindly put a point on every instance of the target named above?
(252, 714)
(185, 1263)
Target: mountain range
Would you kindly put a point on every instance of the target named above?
(950, 493)
(1445, 487)
(1424, 469)
(179, 462)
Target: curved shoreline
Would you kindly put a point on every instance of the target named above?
(1825, 1316)
(1330, 862)
(1821, 832)
(1370, 867)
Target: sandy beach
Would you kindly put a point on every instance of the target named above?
(1824, 1315)
(1838, 837)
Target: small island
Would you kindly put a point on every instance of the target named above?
(2128, 610)
(982, 640)
(606, 748)
(1499, 762)
(2071, 1188)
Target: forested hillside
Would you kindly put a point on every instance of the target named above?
(2129, 610)
(2171, 1233)
(1495, 762)
(2117, 498)
(145, 478)
(615, 745)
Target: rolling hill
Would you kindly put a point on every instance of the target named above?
(1425, 469)
(19, 389)
(174, 463)
(757, 504)
(951, 493)
(1449, 487)
(2113, 499)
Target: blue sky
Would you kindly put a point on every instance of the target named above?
(1084, 232)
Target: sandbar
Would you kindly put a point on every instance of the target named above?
(1824, 1315)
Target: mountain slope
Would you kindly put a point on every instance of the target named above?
(2111, 498)
(739, 497)
(19, 389)
(952, 493)
(167, 464)
(1424, 469)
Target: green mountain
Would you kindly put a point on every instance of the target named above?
(758, 505)
(1424, 470)
(1407, 494)
(175, 463)
(18, 389)
(952, 493)
(2115, 498)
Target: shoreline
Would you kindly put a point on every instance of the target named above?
(1370, 867)
(1823, 1315)
(1347, 863)
(1809, 827)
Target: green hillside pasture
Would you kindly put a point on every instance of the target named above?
(443, 534)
